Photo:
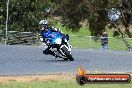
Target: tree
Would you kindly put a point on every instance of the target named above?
(125, 8)
(95, 11)
(126, 13)
(99, 16)
(75, 11)
(24, 15)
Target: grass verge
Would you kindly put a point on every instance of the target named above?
(93, 43)
(52, 81)
(85, 42)
(61, 84)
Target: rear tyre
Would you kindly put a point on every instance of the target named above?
(68, 55)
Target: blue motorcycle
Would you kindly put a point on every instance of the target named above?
(59, 45)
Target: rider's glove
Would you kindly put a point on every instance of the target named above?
(47, 42)
(67, 36)
(41, 38)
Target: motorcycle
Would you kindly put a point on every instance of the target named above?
(58, 44)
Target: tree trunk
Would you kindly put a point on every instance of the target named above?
(126, 24)
(128, 32)
(119, 30)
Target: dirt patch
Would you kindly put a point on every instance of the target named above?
(29, 78)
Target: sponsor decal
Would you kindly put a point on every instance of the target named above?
(83, 78)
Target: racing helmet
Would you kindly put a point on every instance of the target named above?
(44, 24)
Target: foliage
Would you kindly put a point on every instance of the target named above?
(75, 11)
(24, 15)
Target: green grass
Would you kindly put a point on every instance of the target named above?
(86, 42)
(129, 41)
(84, 31)
(81, 41)
(60, 84)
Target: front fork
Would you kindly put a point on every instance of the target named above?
(68, 45)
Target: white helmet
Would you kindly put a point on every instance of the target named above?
(43, 22)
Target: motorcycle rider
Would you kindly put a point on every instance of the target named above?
(44, 31)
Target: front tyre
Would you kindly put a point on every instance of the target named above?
(65, 59)
(66, 52)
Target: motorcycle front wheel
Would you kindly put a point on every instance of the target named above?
(65, 59)
(67, 53)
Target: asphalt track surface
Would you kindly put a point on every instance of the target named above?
(21, 60)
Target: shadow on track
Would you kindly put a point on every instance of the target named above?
(53, 60)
